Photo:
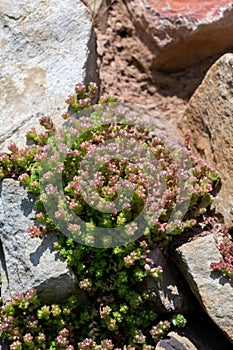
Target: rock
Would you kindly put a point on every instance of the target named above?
(209, 117)
(172, 294)
(174, 341)
(46, 48)
(215, 293)
(29, 263)
(198, 330)
(178, 33)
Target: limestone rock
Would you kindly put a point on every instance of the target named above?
(46, 48)
(29, 263)
(215, 293)
(172, 294)
(181, 33)
(174, 341)
(209, 117)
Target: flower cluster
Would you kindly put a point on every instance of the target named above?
(154, 272)
(84, 97)
(225, 265)
(41, 139)
(157, 332)
(30, 325)
(89, 344)
(17, 162)
(36, 232)
(146, 174)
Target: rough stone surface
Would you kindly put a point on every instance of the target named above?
(209, 117)
(172, 294)
(215, 293)
(29, 263)
(179, 33)
(123, 67)
(174, 341)
(198, 330)
(46, 48)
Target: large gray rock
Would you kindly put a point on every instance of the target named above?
(172, 294)
(209, 117)
(46, 48)
(174, 341)
(177, 34)
(215, 293)
(29, 262)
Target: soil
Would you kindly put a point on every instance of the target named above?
(121, 58)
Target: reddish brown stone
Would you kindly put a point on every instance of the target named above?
(194, 9)
(181, 33)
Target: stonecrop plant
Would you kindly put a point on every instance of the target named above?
(136, 171)
(225, 265)
(30, 325)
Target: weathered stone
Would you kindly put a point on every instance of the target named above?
(174, 341)
(25, 262)
(172, 294)
(198, 330)
(181, 33)
(209, 117)
(215, 293)
(46, 48)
